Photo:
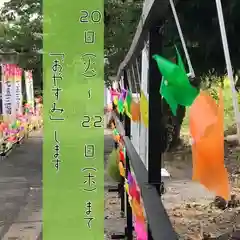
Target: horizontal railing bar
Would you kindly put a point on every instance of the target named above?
(157, 217)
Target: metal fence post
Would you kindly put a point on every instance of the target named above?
(156, 128)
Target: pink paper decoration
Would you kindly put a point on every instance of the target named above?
(140, 230)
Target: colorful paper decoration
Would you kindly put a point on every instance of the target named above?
(134, 193)
(208, 144)
(135, 203)
(116, 135)
(115, 101)
(126, 187)
(135, 111)
(130, 178)
(137, 210)
(140, 230)
(121, 100)
(121, 169)
(175, 86)
(113, 168)
(144, 109)
(127, 104)
(114, 94)
(120, 106)
(121, 155)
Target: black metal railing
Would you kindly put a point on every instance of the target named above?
(149, 181)
(160, 227)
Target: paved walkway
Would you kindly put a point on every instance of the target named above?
(21, 191)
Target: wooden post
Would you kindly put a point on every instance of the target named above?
(156, 128)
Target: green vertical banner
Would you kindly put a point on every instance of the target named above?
(73, 151)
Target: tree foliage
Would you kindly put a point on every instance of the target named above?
(22, 20)
(200, 26)
(121, 19)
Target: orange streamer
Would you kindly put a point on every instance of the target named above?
(207, 130)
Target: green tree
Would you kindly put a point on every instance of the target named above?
(121, 19)
(22, 20)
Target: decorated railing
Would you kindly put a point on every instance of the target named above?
(144, 211)
(168, 80)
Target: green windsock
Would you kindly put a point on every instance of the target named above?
(127, 104)
(175, 86)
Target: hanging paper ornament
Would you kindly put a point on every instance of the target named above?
(1, 127)
(115, 132)
(114, 94)
(135, 111)
(127, 104)
(175, 86)
(112, 167)
(121, 169)
(144, 109)
(12, 139)
(116, 135)
(208, 148)
(4, 125)
(121, 155)
(18, 123)
(123, 94)
(117, 138)
(120, 106)
(124, 152)
(126, 187)
(140, 230)
(115, 101)
(137, 211)
(14, 125)
(121, 100)
(130, 178)
(134, 193)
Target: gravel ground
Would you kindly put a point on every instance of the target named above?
(189, 205)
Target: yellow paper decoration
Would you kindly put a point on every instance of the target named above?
(115, 100)
(126, 187)
(144, 109)
(121, 169)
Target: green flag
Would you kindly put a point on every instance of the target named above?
(180, 61)
(175, 86)
(127, 104)
(120, 105)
